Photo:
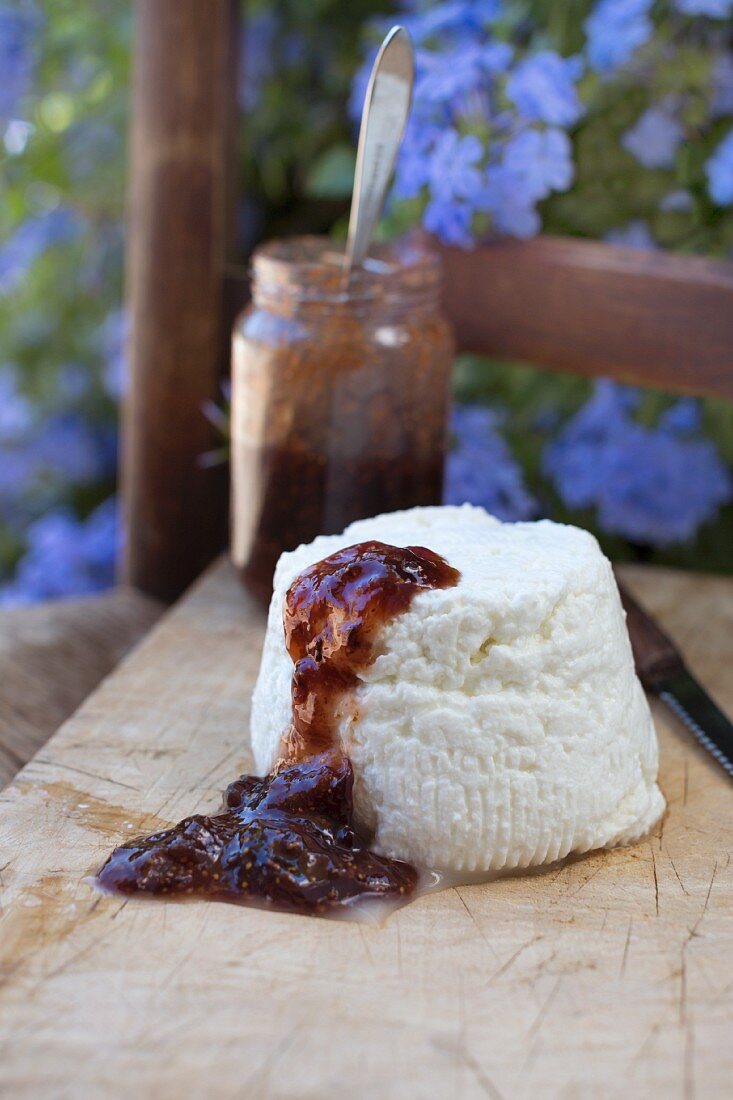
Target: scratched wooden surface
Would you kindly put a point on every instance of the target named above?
(52, 655)
(610, 976)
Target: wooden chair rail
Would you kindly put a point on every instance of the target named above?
(586, 307)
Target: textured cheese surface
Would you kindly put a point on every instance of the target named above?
(502, 724)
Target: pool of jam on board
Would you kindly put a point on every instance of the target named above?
(288, 841)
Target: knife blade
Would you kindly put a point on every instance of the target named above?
(662, 671)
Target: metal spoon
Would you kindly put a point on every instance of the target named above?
(383, 121)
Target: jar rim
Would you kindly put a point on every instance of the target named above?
(310, 268)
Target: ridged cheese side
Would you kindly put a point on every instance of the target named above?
(502, 724)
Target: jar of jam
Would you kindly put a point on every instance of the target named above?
(339, 395)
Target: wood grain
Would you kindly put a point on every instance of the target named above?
(182, 163)
(607, 976)
(52, 655)
(592, 308)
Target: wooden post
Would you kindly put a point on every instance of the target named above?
(180, 230)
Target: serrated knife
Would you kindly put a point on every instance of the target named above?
(662, 670)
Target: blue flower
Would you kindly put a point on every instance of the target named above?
(453, 74)
(655, 486)
(99, 543)
(18, 471)
(542, 88)
(442, 77)
(69, 448)
(615, 30)
(455, 18)
(455, 183)
(18, 24)
(677, 201)
(534, 163)
(16, 136)
(719, 170)
(258, 41)
(30, 240)
(636, 234)
(721, 102)
(512, 211)
(413, 163)
(450, 221)
(654, 138)
(38, 461)
(16, 411)
(464, 81)
(51, 566)
(112, 338)
(481, 470)
(66, 556)
(359, 86)
(73, 382)
(87, 144)
(682, 418)
(454, 171)
(538, 162)
(716, 9)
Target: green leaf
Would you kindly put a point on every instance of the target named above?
(331, 176)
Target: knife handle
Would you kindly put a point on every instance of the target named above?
(655, 655)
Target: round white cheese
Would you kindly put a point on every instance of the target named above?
(502, 724)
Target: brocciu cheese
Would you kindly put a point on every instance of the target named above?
(502, 724)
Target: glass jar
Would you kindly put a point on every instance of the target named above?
(339, 395)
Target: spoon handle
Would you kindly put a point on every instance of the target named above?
(383, 120)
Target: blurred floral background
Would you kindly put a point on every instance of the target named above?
(609, 119)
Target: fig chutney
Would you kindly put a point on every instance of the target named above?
(288, 840)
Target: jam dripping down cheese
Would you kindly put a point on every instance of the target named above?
(288, 841)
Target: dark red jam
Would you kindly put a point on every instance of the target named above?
(288, 840)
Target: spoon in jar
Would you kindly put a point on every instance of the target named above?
(383, 120)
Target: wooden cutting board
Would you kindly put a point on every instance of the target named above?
(608, 976)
